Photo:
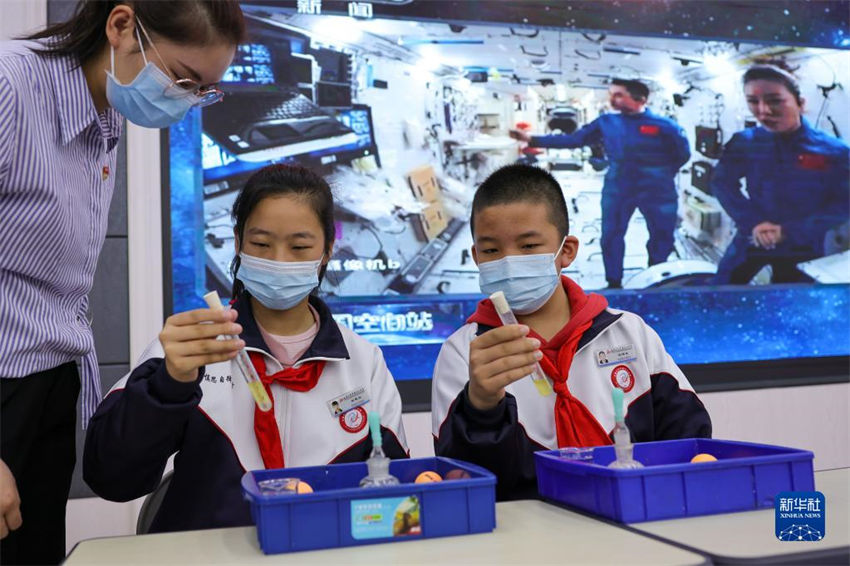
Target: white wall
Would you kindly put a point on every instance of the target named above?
(21, 17)
(144, 237)
(405, 96)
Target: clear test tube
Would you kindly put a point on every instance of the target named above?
(506, 315)
(243, 362)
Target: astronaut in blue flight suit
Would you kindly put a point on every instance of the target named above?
(797, 183)
(645, 151)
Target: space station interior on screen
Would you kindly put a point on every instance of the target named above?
(407, 118)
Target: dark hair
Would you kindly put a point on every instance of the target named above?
(522, 183)
(279, 180)
(185, 22)
(775, 74)
(636, 89)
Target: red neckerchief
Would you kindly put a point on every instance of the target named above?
(575, 425)
(303, 378)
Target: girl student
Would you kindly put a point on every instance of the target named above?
(186, 396)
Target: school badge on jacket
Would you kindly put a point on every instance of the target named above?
(353, 421)
(622, 377)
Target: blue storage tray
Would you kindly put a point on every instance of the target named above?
(745, 476)
(340, 513)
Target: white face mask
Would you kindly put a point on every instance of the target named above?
(278, 285)
(528, 281)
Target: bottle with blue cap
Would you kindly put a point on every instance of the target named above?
(378, 464)
(622, 437)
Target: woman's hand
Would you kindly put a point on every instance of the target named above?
(10, 501)
(767, 234)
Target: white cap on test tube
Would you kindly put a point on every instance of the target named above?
(213, 301)
(500, 302)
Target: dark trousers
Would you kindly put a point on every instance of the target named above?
(659, 211)
(38, 417)
(742, 261)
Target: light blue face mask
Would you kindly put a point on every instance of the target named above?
(278, 285)
(144, 101)
(527, 281)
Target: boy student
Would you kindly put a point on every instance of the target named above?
(484, 408)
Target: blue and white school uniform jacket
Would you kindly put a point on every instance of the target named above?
(661, 403)
(209, 424)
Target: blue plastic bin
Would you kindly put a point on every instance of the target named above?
(745, 476)
(340, 513)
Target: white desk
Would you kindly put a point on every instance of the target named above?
(527, 532)
(750, 536)
(488, 144)
(832, 269)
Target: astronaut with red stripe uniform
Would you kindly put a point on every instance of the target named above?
(797, 183)
(645, 152)
(484, 407)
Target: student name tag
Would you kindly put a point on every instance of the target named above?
(616, 355)
(348, 401)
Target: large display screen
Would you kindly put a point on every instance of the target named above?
(406, 115)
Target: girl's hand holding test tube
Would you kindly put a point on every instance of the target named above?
(188, 345)
(243, 362)
(497, 358)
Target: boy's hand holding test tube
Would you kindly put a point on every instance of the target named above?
(501, 356)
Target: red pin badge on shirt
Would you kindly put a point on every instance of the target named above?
(622, 377)
(354, 420)
(104, 174)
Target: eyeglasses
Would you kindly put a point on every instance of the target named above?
(187, 87)
(179, 88)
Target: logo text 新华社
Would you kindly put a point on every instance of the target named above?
(800, 516)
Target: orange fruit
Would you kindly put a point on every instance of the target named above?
(428, 477)
(703, 458)
(303, 487)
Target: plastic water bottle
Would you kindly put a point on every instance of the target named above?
(622, 438)
(378, 464)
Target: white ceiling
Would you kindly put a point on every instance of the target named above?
(567, 57)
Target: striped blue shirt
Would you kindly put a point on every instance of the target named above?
(57, 173)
